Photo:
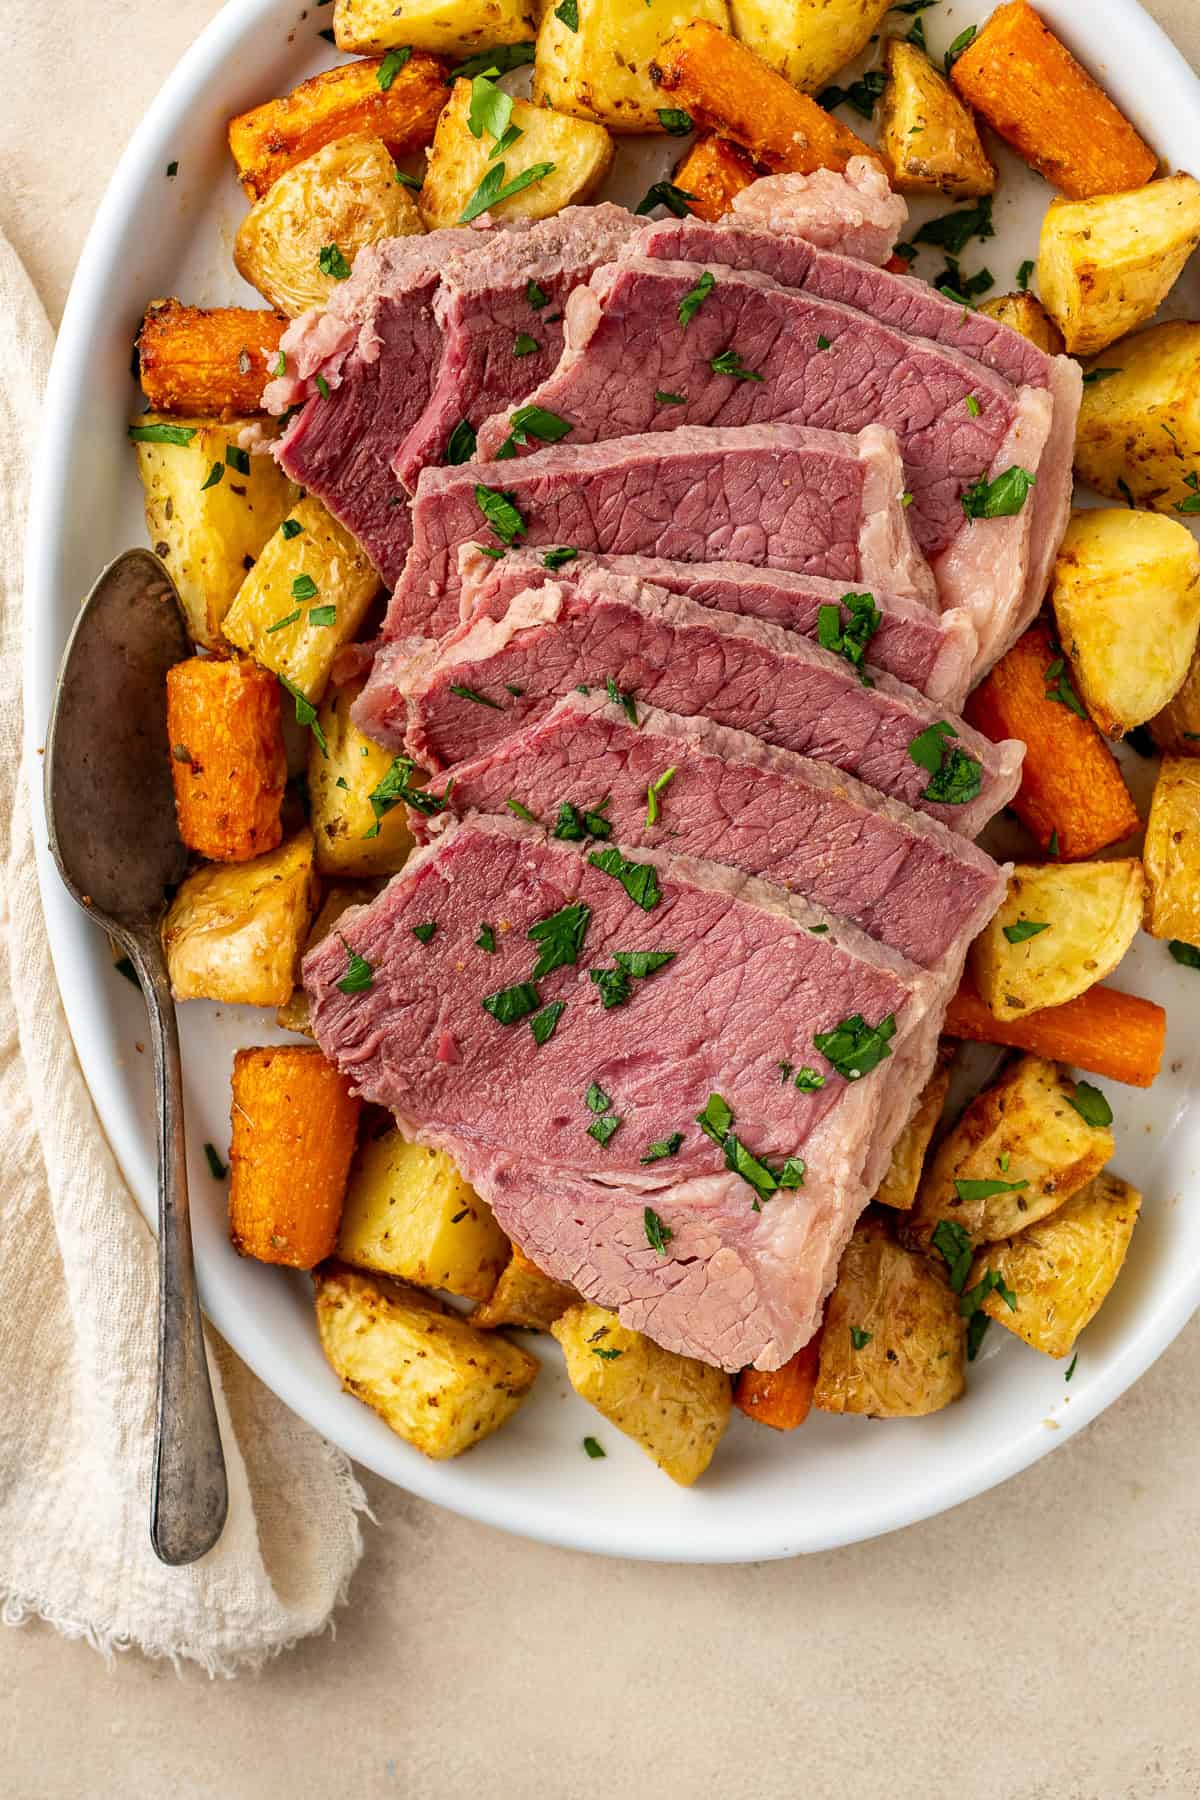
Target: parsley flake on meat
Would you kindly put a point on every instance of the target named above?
(662, 1148)
(512, 1003)
(695, 297)
(560, 937)
(536, 295)
(396, 786)
(624, 701)
(469, 693)
(596, 1100)
(359, 976)
(640, 880)
(999, 499)
(957, 777)
(486, 941)
(543, 1023)
(654, 793)
(604, 1129)
(730, 363)
(855, 1048)
(658, 1234)
(460, 446)
(500, 513)
(424, 933)
(850, 639)
(554, 559)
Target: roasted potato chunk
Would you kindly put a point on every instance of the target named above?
(294, 1125)
(304, 598)
(806, 40)
(1138, 436)
(235, 932)
(410, 1213)
(1061, 928)
(293, 1015)
(1106, 265)
(673, 1407)
(210, 509)
(524, 1297)
(899, 1186)
(227, 757)
(353, 836)
(437, 1382)
(1021, 312)
(927, 136)
(1172, 852)
(300, 240)
(1126, 595)
(892, 1345)
(713, 172)
(449, 27)
(1177, 726)
(462, 171)
(399, 105)
(1062, 1269)
(1021, 1148)
(206, 360)
(599, 68)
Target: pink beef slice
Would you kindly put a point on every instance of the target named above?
(854, 211)
(899, 875)
(750, 985)
(932, 652)
(802, 360)
(500, 316)
(467, 695)
(774, 495)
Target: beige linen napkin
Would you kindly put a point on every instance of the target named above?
(77, 1283)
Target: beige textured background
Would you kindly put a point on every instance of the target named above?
(1040, 1643)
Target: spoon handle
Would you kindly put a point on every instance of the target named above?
(190, 1495)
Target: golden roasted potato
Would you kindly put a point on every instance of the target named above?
(806, 40)
(234, 931)
(1061, 928)
(463, 179)
(447, 27)
(1021, 312)
(1126, 595)
(1105, 265)
(672, 1406)
(210, 509)
(899, 1186)
(436, 1381)
(892, 1345)
(1177, 726)
(300, 240)
(1138, 436)
(294, 1125)
(1062, 1269)
(1172, 852)
(353, 837)
(599, 68)
(1021, 1148)
(293, 1015)
(927, 136)
(524, 1297)
(409, 1213)
(304, 598)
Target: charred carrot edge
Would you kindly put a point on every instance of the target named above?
(273, 137)
(227, 757)
(728, 89)
(1031, 90)
(1102, 1031)
(295, 1122)
(782, 1397)
(207, 360)
(714, 171)
(1072, 796)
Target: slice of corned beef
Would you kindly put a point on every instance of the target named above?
(699, 789)
(773, 495)
(500, 317)
(932, 652)
(853, 211)
(489, 677)
(581, 1131)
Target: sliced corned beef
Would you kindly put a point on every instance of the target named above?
(932, 652)
(854, 211)
(500, 317)
(585, 1141)
(777, 495)
(465, 696)
(699, 789)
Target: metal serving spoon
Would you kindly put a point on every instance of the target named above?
(110, 806)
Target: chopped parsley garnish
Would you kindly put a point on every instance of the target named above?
(287, 619)
(304, 588)
(172, 170)
(493, 62)
(396, 786)
(521, 812)
(855, 1048)
(543, 1023)
(953, 1244)
(906, 499)
(662, 1148)
(850, 640)
(1125, 492)
(330, 261)
(486, 940)
(606, 1355)
(291, 528)
(986, 1190)
(716, 1119)
(391, 65)
(654, 793)
(957, 46)
(674, 121)
(658, 1234)
(631, 965)
(214, 475)
(596, 1100)
(1025, 929)
(1091, 1105)
(306, 714)
(532, 421)
(953, 231)
(359, 976)
(1001, 498)
(859, 1339)
(964, 290)
(572, 825)
(510, 687)
(468, 693)
(403, 179)
(972, 406)
(668, 399)
(460, 446)
(990, 1283)
(1191, 503)
(624, 701)
(490, 109)
(1052, 846)
(322, 615)
(1187, 954)
(500, 513)
(861, 95)
(665, 193)
(604, 1129)
(695, 297)
(1095, 375)
(216, 1168)
(1059, 687)
(568, 12)
(823, 342)
(423, 933)
(1071, 1369)
(560, 937)
(818, 930)
(162, 434)
(322, 386)
(640, 880)
(524, 345)
(1024, 273)
(589, 1443)
(237, 459)
(554, 559)
(536, 296)
(957, 777)
(730, 363)
(716, 1122)
(612, 985)
(512, 1003)
(493, 188)
(809, 1080)
(786, 1070)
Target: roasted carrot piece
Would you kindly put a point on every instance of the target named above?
(295, 1122)
(227, 757)
(350, 98)
(728, 89)
(1102, 1031)
(207, 360)
(1072, 795)
(714, 170)
(1030, 89)
(781, 1397)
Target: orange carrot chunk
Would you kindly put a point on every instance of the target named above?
(782, 1397)
(1102, 1031)
(714, 171)
(295, 1122)
(227, 757)
(207, 360)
